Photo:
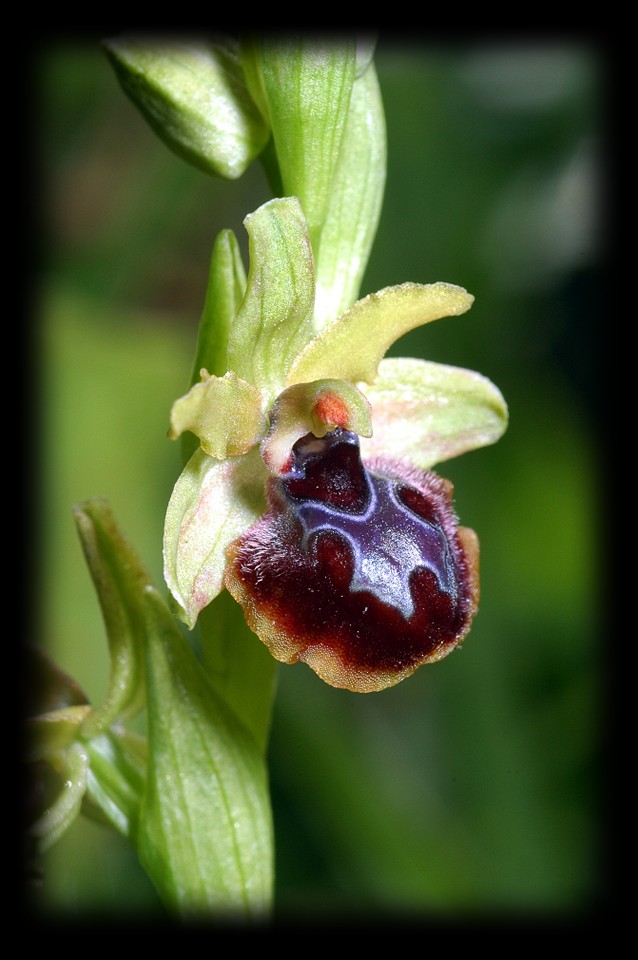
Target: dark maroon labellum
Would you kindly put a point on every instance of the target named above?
(361, 571)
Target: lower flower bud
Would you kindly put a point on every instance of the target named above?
(361, 571)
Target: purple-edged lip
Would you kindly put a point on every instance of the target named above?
(360, 570)
(388, 540)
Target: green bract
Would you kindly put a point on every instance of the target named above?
(354, 204)
(308, 382)
(205, 839)
(307, 89)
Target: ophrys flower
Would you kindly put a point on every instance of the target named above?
(349, 559)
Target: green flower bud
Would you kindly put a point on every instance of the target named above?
(194, 96)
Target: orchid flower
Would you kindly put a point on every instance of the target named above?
(311, 497)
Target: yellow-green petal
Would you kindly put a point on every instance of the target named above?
(224, 412)
(424, 413)
(352, 347)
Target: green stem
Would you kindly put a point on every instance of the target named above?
(116, 779)
(238, 665)
(270, 163)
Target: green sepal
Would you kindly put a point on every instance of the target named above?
(306, 87)
(225, 413)
(355, 203)
(224, 294)
(194, 96)
(119, 578)
(273, 322)
(425, 413)
(205, 831)
(352, 346)
(213, 502)
(313, 408)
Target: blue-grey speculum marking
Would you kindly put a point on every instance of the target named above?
(388, 540)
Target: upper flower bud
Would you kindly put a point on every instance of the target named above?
(194, 95)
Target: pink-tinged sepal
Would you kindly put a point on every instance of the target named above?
(359, 570)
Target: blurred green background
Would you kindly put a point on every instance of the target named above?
(473, 788)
